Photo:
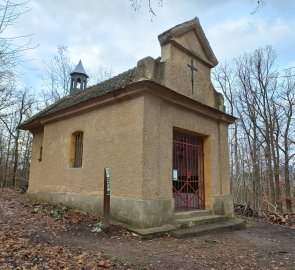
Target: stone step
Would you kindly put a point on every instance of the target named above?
(198, 221)
(148, 233)
(190, 214)
(229, 224)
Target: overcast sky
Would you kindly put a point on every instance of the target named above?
(111, 33)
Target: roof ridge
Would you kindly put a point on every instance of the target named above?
(99, 89)
(110, 79)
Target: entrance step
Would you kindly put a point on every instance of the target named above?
(198, 221)
(191, 223)
(208, 228)
(190, 214)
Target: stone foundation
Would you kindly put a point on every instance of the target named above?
(138, 213)
(223, 205)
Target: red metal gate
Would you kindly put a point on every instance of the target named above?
(188, 178)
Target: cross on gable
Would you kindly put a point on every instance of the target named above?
(192, 68)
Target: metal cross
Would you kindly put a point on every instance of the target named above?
(192, 68)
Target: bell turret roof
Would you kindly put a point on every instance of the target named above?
(79, 69)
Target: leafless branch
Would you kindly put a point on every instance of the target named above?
(259, 5)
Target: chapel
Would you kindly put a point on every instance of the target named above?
(160, 127)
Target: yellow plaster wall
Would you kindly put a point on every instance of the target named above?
(112, 138)
(224, 159)
(133, 138)
(191, 41)
(177, 75)
(161, 117)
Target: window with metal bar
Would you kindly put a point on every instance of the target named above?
(76, 151)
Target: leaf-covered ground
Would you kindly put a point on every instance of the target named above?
(44, 236)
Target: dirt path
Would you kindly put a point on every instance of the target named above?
(31, 239)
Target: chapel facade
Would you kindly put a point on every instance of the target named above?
(160, 127)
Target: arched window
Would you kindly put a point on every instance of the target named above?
(76, 149)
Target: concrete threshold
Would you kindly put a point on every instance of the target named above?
(147, 232)
(197, 230)
(153, 231)
(230, 224)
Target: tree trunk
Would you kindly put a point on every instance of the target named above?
(7, 160)
(287, 180)
(15, 163)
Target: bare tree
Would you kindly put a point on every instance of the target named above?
(265, 79)
(11, 57)
(136, 5)
(11, 47)
(103, 73)
(258, 6)
(225, 77)
(287, 105)
(262, 143)
(19, 112)
(248, 118)
(56, 81)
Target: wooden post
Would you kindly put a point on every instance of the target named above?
(106, 200)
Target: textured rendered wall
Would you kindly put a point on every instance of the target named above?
(224, 159)
(133, 138)
(177, 74)
(112, 138)
(160, 119)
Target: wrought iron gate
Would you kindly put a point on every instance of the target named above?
(188, 178)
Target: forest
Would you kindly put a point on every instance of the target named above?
(261, 141)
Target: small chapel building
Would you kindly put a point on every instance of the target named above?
(160, 127)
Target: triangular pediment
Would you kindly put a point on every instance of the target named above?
(190, 38)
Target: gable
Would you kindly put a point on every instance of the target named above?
(181, 46)
(191, 37)
(191, 42)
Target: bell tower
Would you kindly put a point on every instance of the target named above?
(78, 79)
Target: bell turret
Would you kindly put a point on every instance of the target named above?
(78, 79)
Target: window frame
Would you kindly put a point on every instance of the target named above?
(76, 149)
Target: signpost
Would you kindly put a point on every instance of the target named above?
(106, 200)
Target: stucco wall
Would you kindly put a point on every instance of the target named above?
(177, 75)
(134, 138)
(112, 138)
(190, 40)
(161, 117)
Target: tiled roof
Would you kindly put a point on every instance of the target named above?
(91, 92)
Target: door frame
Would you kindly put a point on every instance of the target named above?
(188, 171)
